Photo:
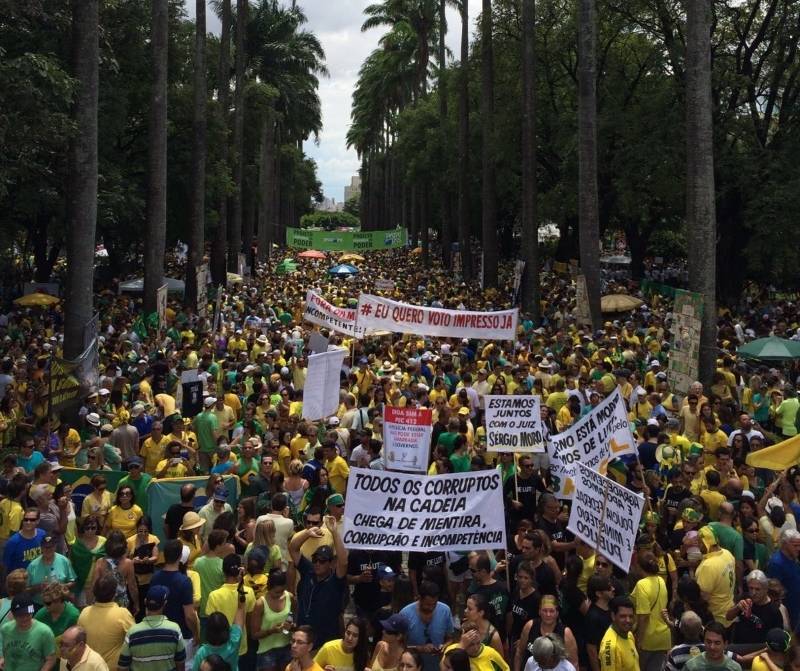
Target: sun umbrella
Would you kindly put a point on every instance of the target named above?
(771, 349)
(36, 300)
(350, 256)
(233, 278)
(311, 254)
(343, 270)
(286, 266)
(619, 303)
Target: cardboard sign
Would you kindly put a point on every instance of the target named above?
(605, 515)
(514, 424)
(407, 438)
(321, 391)
(593, 440)
(422, 513)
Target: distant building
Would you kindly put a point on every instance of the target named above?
(354, 190)
(330, 205)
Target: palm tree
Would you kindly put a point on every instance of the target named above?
(235, 222)
(588, 209)
(220, 243)
(82, 203)
(463, 147)
(290, 61)
(701, 222)
(489, 170)
(530, 224)
(156, 225)
(199, 151)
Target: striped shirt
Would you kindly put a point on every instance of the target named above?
(155, 644)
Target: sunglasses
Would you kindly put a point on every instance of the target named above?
(317, 560)
(90, 527)
(30, 519)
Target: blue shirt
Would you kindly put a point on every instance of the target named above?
(180, 595)
(228, 651)
(21, 551)
(28, 464)
(787, 571)
(436, 631)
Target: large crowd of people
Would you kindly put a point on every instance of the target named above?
(256, 577)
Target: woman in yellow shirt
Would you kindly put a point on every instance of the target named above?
(98, 502)
(124, 514)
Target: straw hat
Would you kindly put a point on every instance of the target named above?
(192, 520)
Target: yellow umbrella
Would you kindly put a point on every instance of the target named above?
(36, 300)
(233, 278)
(619, 303)
(350, 256)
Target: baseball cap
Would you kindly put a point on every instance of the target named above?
(135, 461)
(334, 500)
(55, 466)
(22, 605)
(210, 400)
(220, 494)
(385, 572)
(323, 552)
(395, 624)
(778, 640)
(156, 597)
(333, 421)
(48, 540)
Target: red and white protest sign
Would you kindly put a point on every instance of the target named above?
(407, 438)
(376, 313)
(321, 312)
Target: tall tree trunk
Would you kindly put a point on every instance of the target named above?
(424, 222)
(197, 204)
(464, 246)
(414, 232)
(266, 178)
(82, 200)
(235, 222)
(445, 205)
(220, 245)
(280, 232)
(701, 222)
(489, 170)
(530, 225)
(156, 227)
(588, 208)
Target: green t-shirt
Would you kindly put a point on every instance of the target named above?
(786, 414)
(139, 488)
(447, 439)
(729, 538)
(211, 577)
(26, 650)
(59, 571)
(700, 663)
(69, 617)
(462, 463)
(205, 426)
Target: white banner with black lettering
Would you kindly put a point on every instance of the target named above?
(514, 424)
(594, 440)
(376, 313)
(322, 313)
(422, 513)
(605, 515)
(321, 391)
(407, 438)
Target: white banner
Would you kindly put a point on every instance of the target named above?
(321, 391)
(407, 438)
(321, 312)
(593, 440)
(421, 513)
(605, 515)
(383, 314)
(384, 285)
(514, 424)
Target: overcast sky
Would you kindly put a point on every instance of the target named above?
(337, 23)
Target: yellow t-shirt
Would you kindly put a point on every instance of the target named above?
(177, 471)
(488, 659)
(72, 445)
(152, 452)
(167, 403)
(586, 573)
(94, 506)
(650, 598)
(716, 576)
(11, 513)
(618, 653)
(713, 501)
(338, 472)
(332, 654)
(226, 601)
(124, 520)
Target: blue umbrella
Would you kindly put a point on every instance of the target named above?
(343, 270)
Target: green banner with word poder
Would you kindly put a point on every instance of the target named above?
(345, 241)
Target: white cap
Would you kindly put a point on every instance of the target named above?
(209, 401)
(333, 421)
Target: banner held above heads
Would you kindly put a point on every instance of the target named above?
(345, 241)
(420, 513)
(322, 313)
(407, 436)
(321, 391)
(514, 424)
(605, 515)
(376, 313)
(594, 440)
(777, 457)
